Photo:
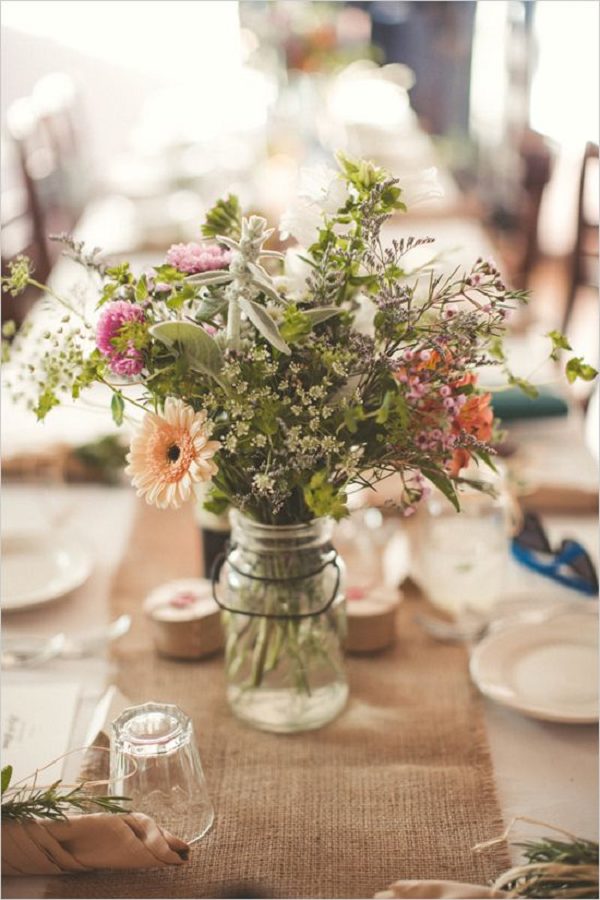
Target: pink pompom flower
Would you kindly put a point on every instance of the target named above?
(114, 316)
(194, 258)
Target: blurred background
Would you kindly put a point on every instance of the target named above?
(122, 123)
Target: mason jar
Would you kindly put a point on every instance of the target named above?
(284, 617)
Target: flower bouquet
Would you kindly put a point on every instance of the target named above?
(280, 383)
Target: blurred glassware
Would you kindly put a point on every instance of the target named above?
(462, 558)
(168, 783)
(22, 650)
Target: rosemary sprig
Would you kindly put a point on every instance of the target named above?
(554, 869)
(23, 804)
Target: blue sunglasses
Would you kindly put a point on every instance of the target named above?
(570, 564)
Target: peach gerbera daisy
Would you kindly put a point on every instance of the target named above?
(170, 453)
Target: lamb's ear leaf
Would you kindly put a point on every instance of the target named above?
(200, 349)
(217, 276)
(320, 313)
(264, 283)
(263, 322)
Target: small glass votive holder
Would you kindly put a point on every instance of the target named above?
(154, 761)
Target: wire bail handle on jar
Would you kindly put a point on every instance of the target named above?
(224, 557)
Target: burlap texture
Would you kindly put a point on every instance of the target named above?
(400, 786)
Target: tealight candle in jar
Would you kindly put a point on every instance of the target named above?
(186, 620)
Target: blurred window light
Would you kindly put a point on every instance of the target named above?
(488, 80)
(564, 94)
(165, 38)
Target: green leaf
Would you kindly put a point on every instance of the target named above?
(263, 322)
(209, 307)
(46, 401)
(5, 777)
(485, 457)
(217, 502)
(384, 410)
(264, 283)
(443, 484)
(120, 273)
(352, 416)
(200, 350)
(559, 342)
(117, 408)
(525, 386)
(320, 314)
(141, 289)
(323, 499)
(576, 368)
(295, 326)
(168, 274)
(225, 217)
(496, 350)
(217, 276)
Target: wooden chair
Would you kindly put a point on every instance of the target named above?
(583, 261)
(23, 225)
(538, 160)
(45, 187)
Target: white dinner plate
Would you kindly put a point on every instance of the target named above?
(38, 568)
(546, 669)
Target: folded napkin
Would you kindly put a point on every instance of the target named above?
(84, 843)
(431, 890)
(514, 404)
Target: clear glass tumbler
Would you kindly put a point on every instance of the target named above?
(154, 760)
(463, 556)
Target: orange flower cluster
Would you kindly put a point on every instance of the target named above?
(476, 417)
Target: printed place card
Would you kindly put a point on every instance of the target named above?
(37, 721)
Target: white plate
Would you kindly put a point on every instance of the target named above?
(547, 670)
(38, 568)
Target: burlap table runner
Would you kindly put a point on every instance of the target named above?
(400, 786)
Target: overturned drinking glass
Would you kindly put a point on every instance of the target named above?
(168, 783)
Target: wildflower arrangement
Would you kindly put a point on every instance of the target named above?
(288, 380)
(279, 383)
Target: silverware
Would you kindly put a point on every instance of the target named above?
(21, 651)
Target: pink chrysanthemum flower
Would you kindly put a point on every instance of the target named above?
(170, 453)
(194, 258)
(127, 362)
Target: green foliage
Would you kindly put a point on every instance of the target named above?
(323, 499)
(443, 483)
(559, 342)
(121, 274)
(28, 803)
(19, 275)
(225, 218)
(217, 502)
(309, 385)
(168, 274)
(200, 351)
(525, 386)
(496, 350)
(295, 326)
(117, 408)
(47, 400)
(577, 368)
(554, 869)
(263, 322)
(6, 777)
